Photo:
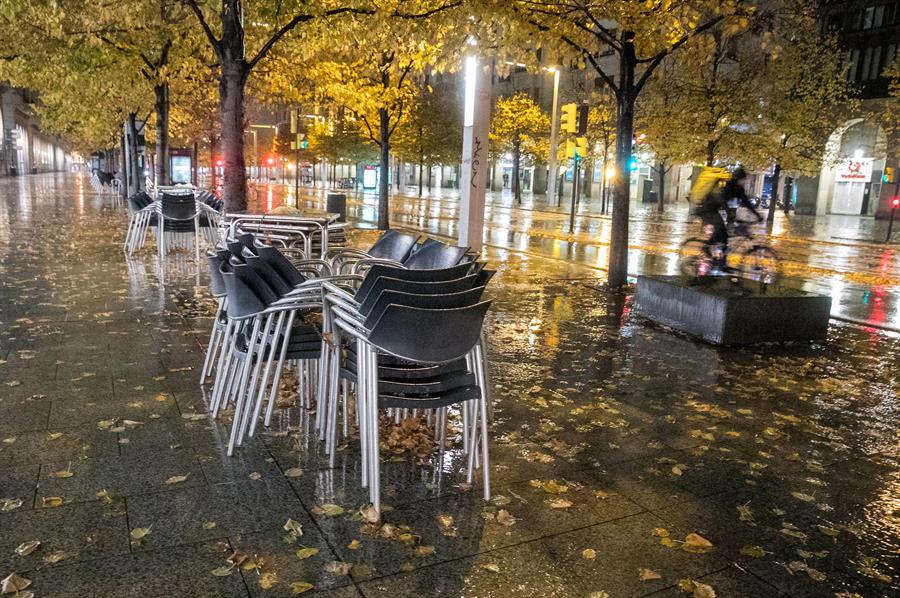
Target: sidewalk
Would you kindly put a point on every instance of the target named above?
(625, 461)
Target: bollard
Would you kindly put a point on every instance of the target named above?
(336, 203)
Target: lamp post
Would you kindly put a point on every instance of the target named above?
(473, 178)
(554, 139)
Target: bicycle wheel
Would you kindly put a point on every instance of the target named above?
(693, 261)
(761, 263)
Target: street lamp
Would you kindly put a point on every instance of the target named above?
(554, 135)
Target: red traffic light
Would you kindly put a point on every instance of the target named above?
(218, 162)
(895, 201)
(270, 160)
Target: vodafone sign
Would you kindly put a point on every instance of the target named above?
(855, 170)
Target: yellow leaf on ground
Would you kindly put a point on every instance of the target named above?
(756, 552)
(354, 544)
(504, 518)
(492, 567)
(696, 544)
(293, 472)
(51, 502)
(589, 554)
(13, 583)
(299, 587)
(140, 532)
(176, 479)
(26, 548)
(305, 553)
(55, 557)
(648, 574)
(332, 510)
(222, 571)
(560, 503)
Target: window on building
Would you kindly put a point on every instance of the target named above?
(889, 56)
(875, 69)
(890, 13)
(868, 17)
(867, 61)
(853, 60)
(835, 21)
(879, 16)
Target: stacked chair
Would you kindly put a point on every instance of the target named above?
(177, 219)
(403, 330)
(142, 216)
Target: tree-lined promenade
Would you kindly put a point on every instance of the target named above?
(695, 82)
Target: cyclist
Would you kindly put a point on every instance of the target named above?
(713, 200)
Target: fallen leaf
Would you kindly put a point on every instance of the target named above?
(369, 514)
(305, 553)
(13, 583)
(601, 494)
(293, 527)
(828, 531)
(10, 504)
(255, 476)
(744, 513)
(176, 479)
(424, 550)
(139, 533)
(209, 525)
(560, 503)
(293, 472)
(222, 571)
(51, 502)
(648, 574)
(26, 548)
(756, 552)
(803, 497)
(589, 554)
(491, 567)
(338, 568)
(268, 579)
(444, 520)
(695, 543)
(504, 518)
(354, 544)
(332, 510)
(54, 435)
(299, 587)
(55, 557)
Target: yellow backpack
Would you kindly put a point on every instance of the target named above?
(707, 181)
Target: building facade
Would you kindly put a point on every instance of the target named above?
(24, 149)
(858, 152)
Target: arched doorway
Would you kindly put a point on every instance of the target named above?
(850, 181)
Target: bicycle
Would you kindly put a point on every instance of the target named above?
(751, 257)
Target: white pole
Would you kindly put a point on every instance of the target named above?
(473, 176)
(554, 140)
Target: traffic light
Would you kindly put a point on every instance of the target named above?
(576, 149)
(582, 119)
(895, 202)
(270, 160)
(632, 164)
(568, 120)
(888, 176)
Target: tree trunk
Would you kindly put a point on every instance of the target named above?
(662, 186)
(788, 182)
(231, 105)
(430, 173)
(383, 189)
(213, 168)
(710, 152)
(588, 180)
(135, 182)
(618, 240)
(773, 201)
(123, 188)
(421, 164)
(161, 94)
(517, 156)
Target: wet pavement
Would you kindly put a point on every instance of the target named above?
(840, 256)
(626, 460)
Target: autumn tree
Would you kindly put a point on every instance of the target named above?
(624, 42)
(242, 35)
(431, 133)
(517, 120)
(803, 88)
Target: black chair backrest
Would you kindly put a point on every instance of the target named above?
(216, 284)
(281, 264)
(484, 277)
(255, 283)
(393, 245)
(433, 256)
(429, 335)
(385, 283)
(438, 275)
(178, 207)
(269, 275)
(445, 301)
(242, 300)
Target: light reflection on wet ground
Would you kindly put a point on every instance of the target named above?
(784, 458)
(840, 256)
